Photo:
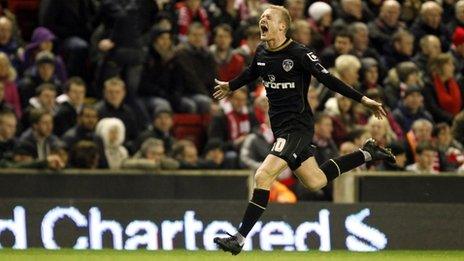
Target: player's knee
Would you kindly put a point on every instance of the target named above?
(317, 182)
(263, 179)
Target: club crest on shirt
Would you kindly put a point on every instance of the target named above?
(287, 64)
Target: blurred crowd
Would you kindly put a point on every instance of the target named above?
(105, 83)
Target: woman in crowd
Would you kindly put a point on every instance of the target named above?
(8, 79)
(113, 132)
(443, 96)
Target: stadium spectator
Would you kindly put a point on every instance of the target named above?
(161, 128)
(187, 154)
(66, 113)
(84, 129)
(72, 22)
(249, 8)
(429, 23)
(296, 8)
(444, 98)
(214, 156)
(42, 40)
(189, 11)
(151, 156)
(195, 68)
(458, 17)
(232, 125)
(425, 159)
(8, 124)
(113, 132)
(9, 44)
(344, 117)
(222, 12)
(347, 68)
(359, 136)
(400, 78)
(42, 72)
(326, 147)
(400, 49)
(369, 75)
(380, 130)
(411, 108)
(457, 50)
(430, 47)
(301, 32)
(158, 71)
(3, 105)
(8, 80)
(229, 64)
(44, 100)
(39, 138)
(84, 155)
(361, 46)
(313, 99)
(458, 127)
(421, 131)
(350, 11)
(112, 106)
(343, 44)
(385, 25)
(320, 19)
(449, 149)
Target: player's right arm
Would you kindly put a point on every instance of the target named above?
(223, 89)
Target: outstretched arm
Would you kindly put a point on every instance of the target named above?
(311, 61)
(223, 89)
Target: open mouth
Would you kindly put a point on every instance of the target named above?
(264, 28)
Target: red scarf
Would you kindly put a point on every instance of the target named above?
(449, 97)
(238, 124)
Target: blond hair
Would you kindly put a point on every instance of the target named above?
(114, 81)
(346, 61)
(11, 70)
(285, 15)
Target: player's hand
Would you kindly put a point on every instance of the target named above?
(376, 107)
(221, 90)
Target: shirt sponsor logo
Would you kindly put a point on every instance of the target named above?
(287, 64)
(277, 85)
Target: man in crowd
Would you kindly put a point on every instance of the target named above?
(112, 106)
(39, 137)
(66, 114)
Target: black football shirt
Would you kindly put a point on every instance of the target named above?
(286, 73)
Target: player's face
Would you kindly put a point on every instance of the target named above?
(271, 25)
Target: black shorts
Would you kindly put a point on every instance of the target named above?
(294, 148)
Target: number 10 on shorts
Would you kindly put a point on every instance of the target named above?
(279, 145)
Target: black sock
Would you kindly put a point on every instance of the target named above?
(255, 209)
(335, 167)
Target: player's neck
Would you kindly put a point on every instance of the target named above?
(275, 44)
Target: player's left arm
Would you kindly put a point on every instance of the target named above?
(312, 64)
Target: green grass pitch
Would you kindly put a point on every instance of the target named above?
(107, 255)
